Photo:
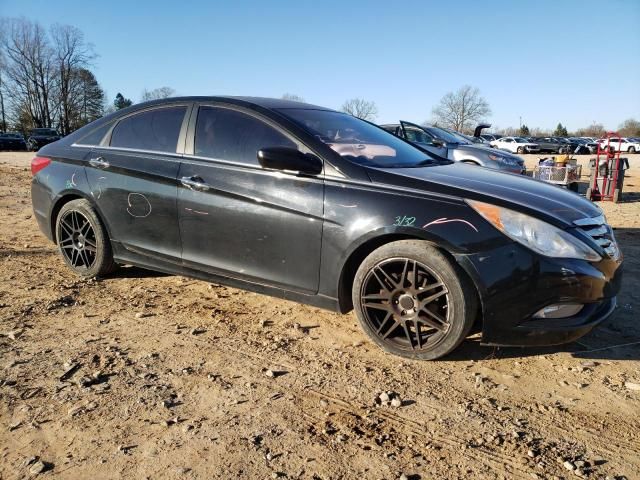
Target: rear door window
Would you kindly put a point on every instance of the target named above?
(226, 134)
(154, 130)
(96, 136)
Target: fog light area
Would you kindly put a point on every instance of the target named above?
(559, 310)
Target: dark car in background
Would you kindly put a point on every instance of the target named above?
(12, 141)
(317, 206)
(456, 147)
(584, 146)
(550, 144)
(39, 137)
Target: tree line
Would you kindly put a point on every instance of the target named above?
(46, 81)
(462, 110)
(45, 77)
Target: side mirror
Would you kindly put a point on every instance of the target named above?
(285, 158)
(437, 143)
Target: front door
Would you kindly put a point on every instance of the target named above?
(240, 220)
(133, 179)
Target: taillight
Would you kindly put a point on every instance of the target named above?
(38, 163)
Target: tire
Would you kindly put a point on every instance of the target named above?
(31, 147)
(83, 241)
(386, 301)
(520, 150)
(632, 150)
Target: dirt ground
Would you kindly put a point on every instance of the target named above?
(143, 375)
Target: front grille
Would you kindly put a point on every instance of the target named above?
(601, 232)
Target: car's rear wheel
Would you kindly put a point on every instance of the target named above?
(412, 301)
(83, 241)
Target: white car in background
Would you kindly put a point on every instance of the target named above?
(624, 144)
(516, 145)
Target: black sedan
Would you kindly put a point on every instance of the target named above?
(12, 141)
(39, 137)
(551, 144)
(317, 206)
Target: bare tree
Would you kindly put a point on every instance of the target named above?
(293, 97)
(630, 128)
(595, 130)
(461, 109)
(157, 93)
(3, 117)
(29, 70)
(71, 54)
(361, 108)
(89, 99)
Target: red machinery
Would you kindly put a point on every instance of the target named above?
(607, 171)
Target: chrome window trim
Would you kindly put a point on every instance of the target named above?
(130, 150)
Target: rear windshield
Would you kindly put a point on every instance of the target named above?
(357, 140)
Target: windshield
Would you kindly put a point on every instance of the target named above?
(445, 136)
(520, 140)
(357, 140)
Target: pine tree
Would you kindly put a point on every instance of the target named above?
(120, 102)
(524, 131)
(561, 131)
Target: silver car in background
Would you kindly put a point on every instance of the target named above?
(456, 147)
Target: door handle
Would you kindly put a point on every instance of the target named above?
(195, 183)
(99, 162)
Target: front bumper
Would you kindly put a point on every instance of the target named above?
(515, 283)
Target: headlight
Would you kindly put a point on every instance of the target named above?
(535, 234)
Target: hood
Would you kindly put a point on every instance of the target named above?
(547, 202)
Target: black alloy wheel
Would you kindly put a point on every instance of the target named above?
(77, 240)
(412, 301)
(82, 240)
(406, 303)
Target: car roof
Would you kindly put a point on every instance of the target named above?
(264, 102)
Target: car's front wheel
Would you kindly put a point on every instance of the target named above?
(520, 150)
(412, 301)
(82, 240)
(632, 149)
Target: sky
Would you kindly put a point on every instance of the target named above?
(536, 62)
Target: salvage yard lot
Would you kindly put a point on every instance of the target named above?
(143, 374)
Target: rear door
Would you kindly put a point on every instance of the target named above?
(238, 219)
(133, 177)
